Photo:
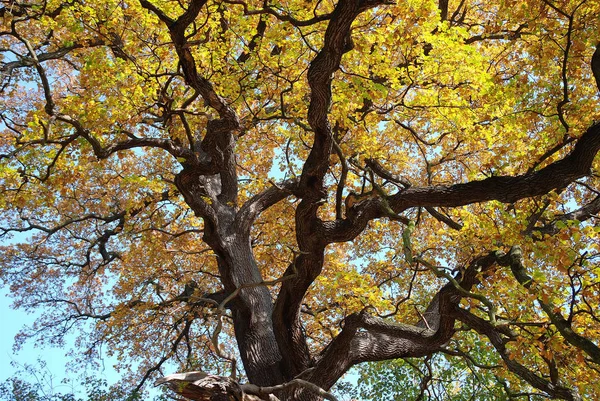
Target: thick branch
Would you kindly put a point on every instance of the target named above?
(192, 186)
(219, 141)
(307, 267)
(368, 338)
(288, 328)
(508, 189)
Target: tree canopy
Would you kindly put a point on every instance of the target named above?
(274, 192)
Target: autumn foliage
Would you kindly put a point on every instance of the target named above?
(280, 191)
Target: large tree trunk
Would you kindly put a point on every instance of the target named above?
(247, 297)
(252, 310)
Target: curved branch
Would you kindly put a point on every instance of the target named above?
(552, 311)
(23, 62)
(286, 315)
(49, 107)
(382, 172)
(219, 142)
(498, 341)
(61, 225)
(444, 219)
(339, 193)
(177, 30)
(367, 338)
(286, 18)
(169, 145)
(250, 211)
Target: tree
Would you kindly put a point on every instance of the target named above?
(306, 187)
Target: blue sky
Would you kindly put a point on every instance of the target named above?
(13, 321)
(55, 358)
